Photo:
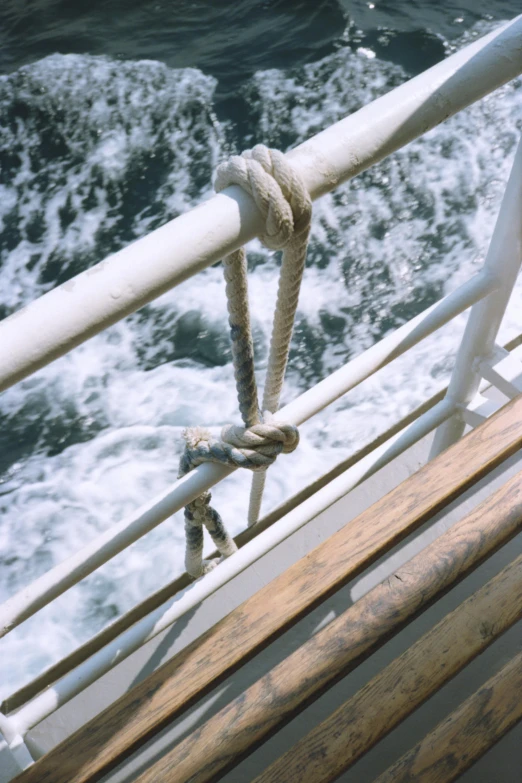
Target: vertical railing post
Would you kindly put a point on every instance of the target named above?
(503, 260)
(16, 746)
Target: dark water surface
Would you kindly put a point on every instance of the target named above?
(233, 39)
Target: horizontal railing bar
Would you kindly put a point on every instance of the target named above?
(121, 535)
(68, 315)
(149, 627)
(451, 747)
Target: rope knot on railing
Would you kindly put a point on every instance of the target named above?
(255, 448)
(278, 191)
(286, 207)
(266, 439)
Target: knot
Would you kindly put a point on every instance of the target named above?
(255, 448)
(278, 191)
(269, 438)
(198, 510)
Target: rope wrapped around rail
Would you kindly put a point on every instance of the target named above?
(286, 206)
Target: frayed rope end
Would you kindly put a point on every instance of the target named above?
(195, 435)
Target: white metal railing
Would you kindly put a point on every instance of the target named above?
(75, 311)
(478, 343)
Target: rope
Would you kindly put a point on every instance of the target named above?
(285, 204)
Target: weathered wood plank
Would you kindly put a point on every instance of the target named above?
(465, 735)
(165, 694)
(278, 696)
(354, 728)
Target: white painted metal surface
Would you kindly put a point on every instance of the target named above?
(503, 260)
(17, 748)
(67, 316)
(503, 371)
(66, 574)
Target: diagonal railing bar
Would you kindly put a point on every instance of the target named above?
(163, 596)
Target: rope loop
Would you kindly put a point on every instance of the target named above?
(285, 204)
(279, 193)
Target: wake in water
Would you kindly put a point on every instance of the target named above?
(95, 153)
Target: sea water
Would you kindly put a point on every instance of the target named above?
(95, 151)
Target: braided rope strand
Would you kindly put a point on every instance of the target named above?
(292, 268)
(286, 207)
(235, 268)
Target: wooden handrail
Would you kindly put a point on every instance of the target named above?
(464, 736)
(289, 687)
(137, 716)
(353, 729)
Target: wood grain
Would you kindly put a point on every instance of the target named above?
(471, 730)
(165, 694)
(406, 683)
(277, 697)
